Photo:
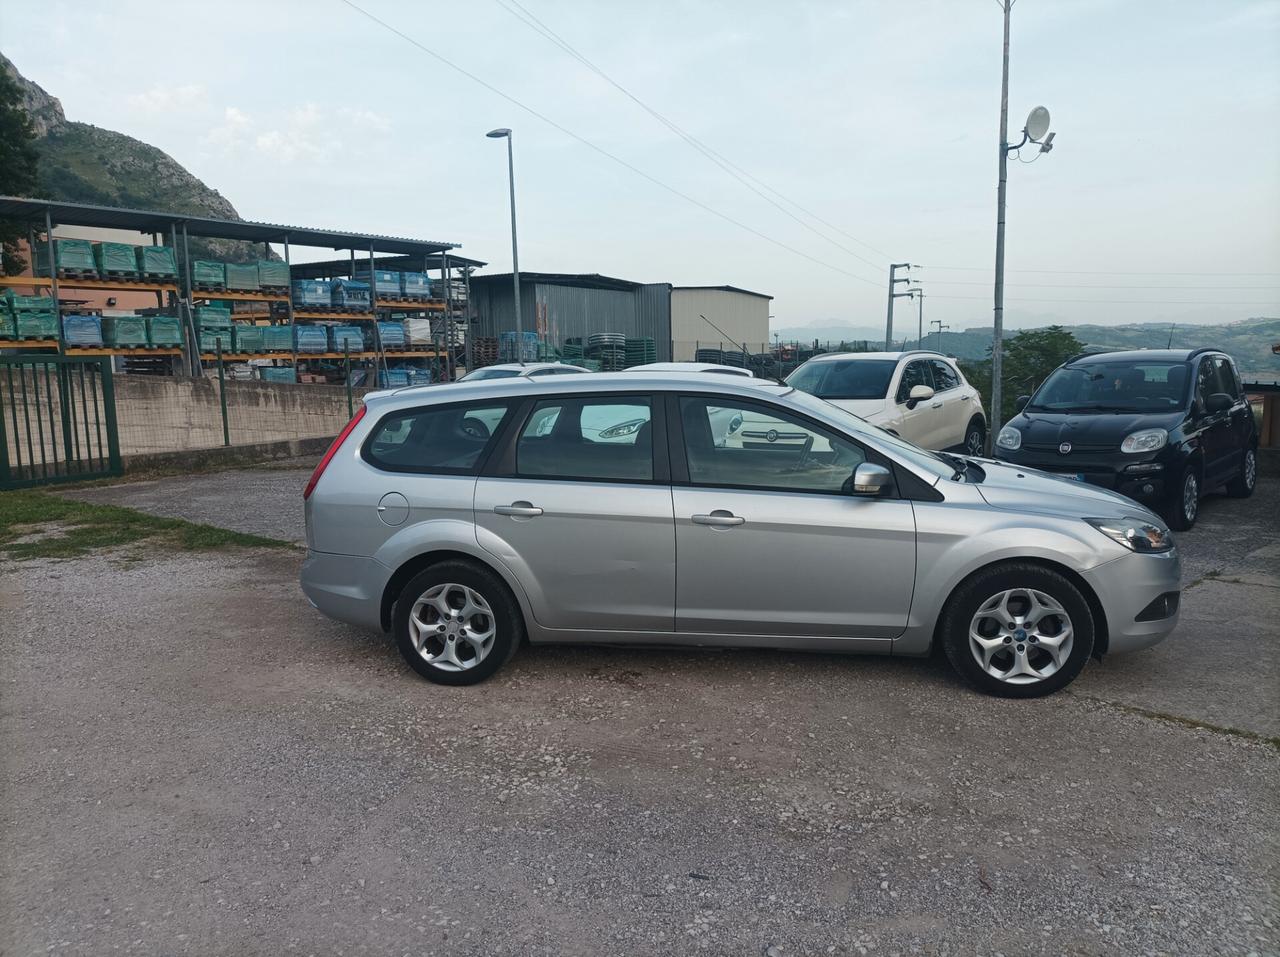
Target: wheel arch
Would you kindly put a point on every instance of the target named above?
(424, 560)
(1101, 631)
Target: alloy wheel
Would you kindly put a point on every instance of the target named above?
(452, 627)
(1190, 497)
(1250, 468)
(1021, 636)
(973, 443)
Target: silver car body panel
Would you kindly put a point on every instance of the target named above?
(622, 563)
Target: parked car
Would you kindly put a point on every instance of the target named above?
(920, 396)
(462, 546)
(1162, 426)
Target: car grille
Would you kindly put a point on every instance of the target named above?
(1075, 449)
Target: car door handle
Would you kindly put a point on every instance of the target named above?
(936, 405)
(965, 398)
(719, 519)
(520, 509)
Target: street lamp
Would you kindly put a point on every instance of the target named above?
(500, 134)
(1034, 131)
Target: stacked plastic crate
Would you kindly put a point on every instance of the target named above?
(418, 376)
(310, 339)
(350, 295)
(348, 338)
(415, 286)
(273, 276)
(270, 374)
(641, 350)
(209, 275)
(164, 332)
(386, 282)
(518, 347)
(213, 326)
(28, 317)
(155, 263)
(115, 261)
(393, 378)
(249, 338)
(125, 332)
(609, 349)
(82, 331)
(312, 293)
(74, 259)
(242, 277)
(391, 334)
(277, 338)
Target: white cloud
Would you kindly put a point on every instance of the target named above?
(366, 118)
(230, 134)
(164, 99)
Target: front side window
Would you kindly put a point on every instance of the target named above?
(451, 439)
(1227, 381)
(609, 438)
(944, 377)
(916, 373)
(770, 448)
(844, 378)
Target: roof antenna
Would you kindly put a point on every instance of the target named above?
(1172, 326)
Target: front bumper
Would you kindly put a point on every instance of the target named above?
(1126, 587)
(346, 587)
(1147, 487)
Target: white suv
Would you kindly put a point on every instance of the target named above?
(921, 396)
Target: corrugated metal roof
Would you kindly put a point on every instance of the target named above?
(340, 267)
(152, 221)
(745, 292)
(580, 280)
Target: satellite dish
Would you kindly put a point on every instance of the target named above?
(1037, 123)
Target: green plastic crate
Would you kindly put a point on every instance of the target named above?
(242, 277)
(115, 259)
(7, 326)
(205, 272)
(277, 338)
(273, 275)
(164, 331)
(124, 331)
(209, 339)
(13, 303)
(269, 374)
(36, 325)
(156, 262)
(249, 338)
(213, 317)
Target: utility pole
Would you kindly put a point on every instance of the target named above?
(893, 281)
(939, 323)
(997, 341)
(918, 294)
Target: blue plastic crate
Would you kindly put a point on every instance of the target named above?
(419, 376)
(313, 292)
(386, 282)
(82, 331)
(350, 294)
(352, 336)
(518, 347)
(393, 378)
(391, 332)
(415, 285)
(310, 339)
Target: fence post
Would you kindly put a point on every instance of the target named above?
(109, 412)
(346, 358)
(222, 394)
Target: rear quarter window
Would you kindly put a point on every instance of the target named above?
(452, 439)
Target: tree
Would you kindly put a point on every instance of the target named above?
(17, 166)
(1029, 357)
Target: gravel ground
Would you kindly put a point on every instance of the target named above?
(242, 776)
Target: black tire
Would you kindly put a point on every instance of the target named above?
(976, 590)
(475, 427)
(507, 620)
(1182, 508)
(975, 438)
(1247, 478)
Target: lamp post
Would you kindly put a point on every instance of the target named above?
(1036, 127)
(500, 134)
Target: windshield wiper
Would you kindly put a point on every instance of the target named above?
(957, 463)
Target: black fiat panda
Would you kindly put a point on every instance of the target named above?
(1162, 426)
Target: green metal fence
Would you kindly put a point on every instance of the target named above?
(57, 420)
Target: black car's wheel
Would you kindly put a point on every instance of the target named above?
(1017, 630)
(457, 623)
(1242, 485)
(1184, 500)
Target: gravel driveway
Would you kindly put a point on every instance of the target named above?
(195, 762)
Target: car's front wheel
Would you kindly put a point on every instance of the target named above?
(457, 623)
(1017, 630)
(1184, 502)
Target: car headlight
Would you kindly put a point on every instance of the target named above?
(735, 423)
(1009, 438)
(623, 428)
(1144, 440)
(1136, 534)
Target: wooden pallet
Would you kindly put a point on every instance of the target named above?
(160, 277)
(117, 275)
(77, 274)
(207, 287)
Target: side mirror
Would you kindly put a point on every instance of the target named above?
(871, 479)
(1021, 401)
(918, 394)
(1219, 402)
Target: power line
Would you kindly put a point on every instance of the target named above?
(1102, 272)
(603, 152)
(1130, 302)
(529, 19)
(1072, 285)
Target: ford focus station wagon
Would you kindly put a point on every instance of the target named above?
(608, 508)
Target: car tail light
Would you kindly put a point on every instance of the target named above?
(328, 456)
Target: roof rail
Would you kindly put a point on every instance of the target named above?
(1195, 352)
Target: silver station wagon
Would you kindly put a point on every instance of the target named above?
(609, 508)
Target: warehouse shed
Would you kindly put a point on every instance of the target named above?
(566, 306)
(736, 317)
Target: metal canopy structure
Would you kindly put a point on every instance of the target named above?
(37, 211)
(341, 267)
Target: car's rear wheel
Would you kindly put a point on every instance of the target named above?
(1018, 630)
(1184, 502)
(457, 623)
(975, 439)
(1242, 485)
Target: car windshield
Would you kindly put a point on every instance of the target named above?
(1126, 386)
(489, 374)
(844, 378)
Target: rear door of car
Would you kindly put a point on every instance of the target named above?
(769, 542)
(577, 503)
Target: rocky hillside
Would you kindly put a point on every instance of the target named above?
(80, 163)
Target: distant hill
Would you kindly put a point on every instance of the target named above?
(1248, 341)
(80, 163)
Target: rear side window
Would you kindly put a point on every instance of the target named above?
(944, 377)
(451, 439)
(607, 439)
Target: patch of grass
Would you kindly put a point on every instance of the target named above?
(40, 525)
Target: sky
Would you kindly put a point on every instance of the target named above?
(1159, 202)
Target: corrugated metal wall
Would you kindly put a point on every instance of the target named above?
(570, 312)
(743, 319)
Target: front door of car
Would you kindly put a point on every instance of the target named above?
(920, 421)
(773, 543)
(1217, 439)
(577, 505)
(956, 409)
